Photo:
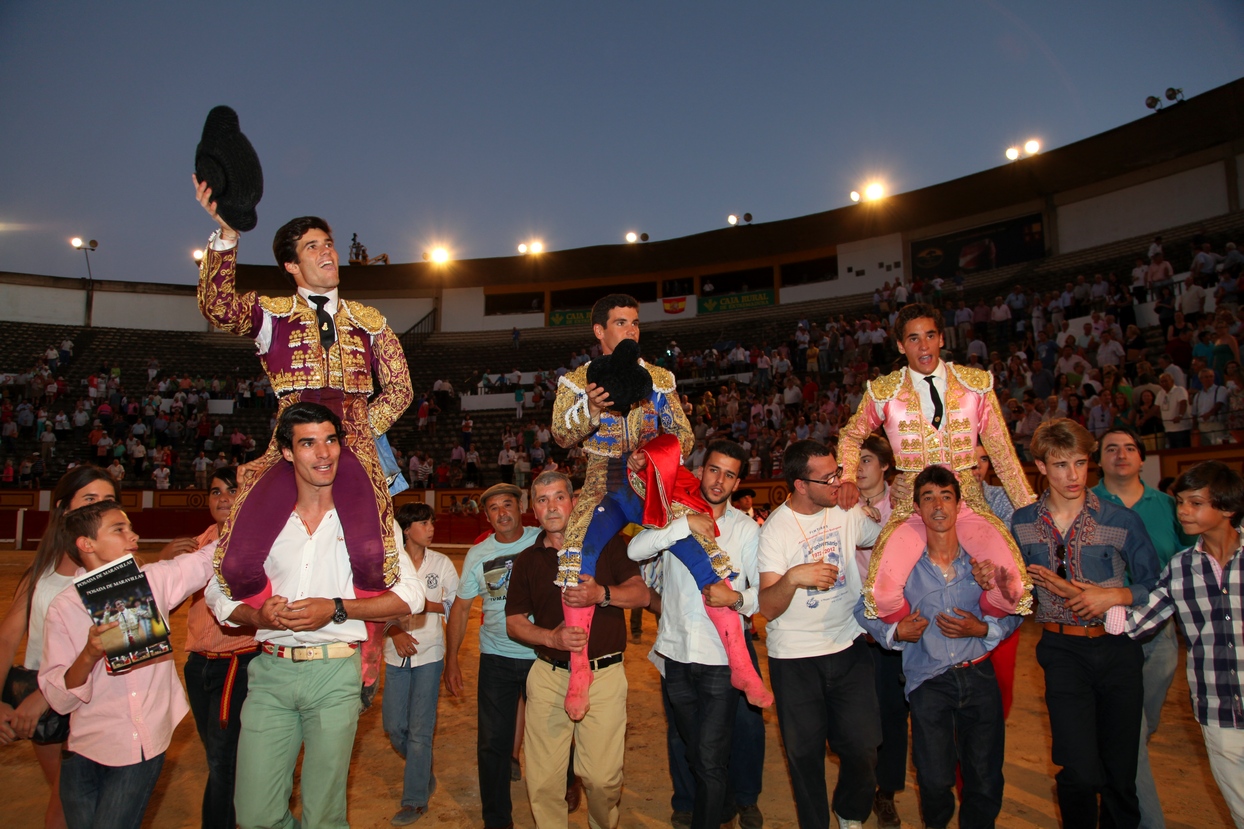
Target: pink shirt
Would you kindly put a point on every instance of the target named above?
(119, 720)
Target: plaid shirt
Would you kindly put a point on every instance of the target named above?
(1208, 605)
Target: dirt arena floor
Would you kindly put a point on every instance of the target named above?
(1189, 795)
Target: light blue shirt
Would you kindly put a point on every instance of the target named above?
(929, 592)
(486, 572)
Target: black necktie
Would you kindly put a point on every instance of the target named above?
(328, 334)
(937, 403)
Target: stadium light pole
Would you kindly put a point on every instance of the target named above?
(86, 248)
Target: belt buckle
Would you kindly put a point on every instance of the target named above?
(306, 654)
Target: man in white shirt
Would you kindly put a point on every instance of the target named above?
(1110, 352)
(1176, 419)
(1209, 408)
(819, 664)
(1192, 300)
(697, 673)
(304, 687)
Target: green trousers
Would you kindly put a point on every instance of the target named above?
(289, 705)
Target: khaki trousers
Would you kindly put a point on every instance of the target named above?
(600, 742)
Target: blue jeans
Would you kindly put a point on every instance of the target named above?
(747, 753)
(502, 682)
(205, 685)
(1161, 658)
(704, 704)
(95, 796)
(622, 507)
(957, 716)
(408, 711)
(829, 699)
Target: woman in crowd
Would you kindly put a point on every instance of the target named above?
(1147, 419)
(51, 572)
(1226, 347)
(216, 672)
(1075, 408)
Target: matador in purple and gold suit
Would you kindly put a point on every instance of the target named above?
(300, 369)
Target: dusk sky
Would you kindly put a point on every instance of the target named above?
(482, 125)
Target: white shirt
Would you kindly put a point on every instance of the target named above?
(684, 633)
(922, 391)
(302, 566)
(263, 339)
(49, 587)
(440, 584)
(817, 622)
(1168, 402)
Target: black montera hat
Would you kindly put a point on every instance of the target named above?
(621, 375)
(228, 163)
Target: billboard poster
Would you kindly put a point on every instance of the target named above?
(735, 302)
(582, 316)
(978, 249)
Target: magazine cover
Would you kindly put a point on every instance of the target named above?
(119, 592)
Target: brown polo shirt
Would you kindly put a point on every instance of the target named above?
(533, 593)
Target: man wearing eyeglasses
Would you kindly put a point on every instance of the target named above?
(1122, 454)
(1089, 560)
(819, 663)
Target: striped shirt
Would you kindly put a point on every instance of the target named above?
(1207, 602)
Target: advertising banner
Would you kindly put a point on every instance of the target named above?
(980, 248)
(582, 316)
(735, 302)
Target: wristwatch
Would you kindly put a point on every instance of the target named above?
(339, 615)
(737, 607)
(605, 601)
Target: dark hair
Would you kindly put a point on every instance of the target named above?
(413, 513)
(228, 474)
(731, 450)
(879, 446)
(1122, 430)
(915, 311)
(300, 413)
(51, 545)
(285, 242)
(795, 459)
(938, 476)
(84, 523)
(1224, 484)
(600, 311)
(745, 492)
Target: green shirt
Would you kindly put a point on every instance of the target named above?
(1157, 512)
(486, 572)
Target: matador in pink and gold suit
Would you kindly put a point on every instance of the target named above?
(891, 402)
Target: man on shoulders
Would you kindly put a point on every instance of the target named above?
(599, 738)
(503, 663)
(304, 686)
(819, 663)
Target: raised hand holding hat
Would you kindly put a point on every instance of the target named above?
(227, 172)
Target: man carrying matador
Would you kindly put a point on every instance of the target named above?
(933, 412)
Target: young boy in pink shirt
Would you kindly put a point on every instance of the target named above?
(120, 725)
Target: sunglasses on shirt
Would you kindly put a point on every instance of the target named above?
(1060, 559)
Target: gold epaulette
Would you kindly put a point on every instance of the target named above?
(368, 318)
(976, 379)
(886, 386)
(277, 306)
(575, 380)
(662, 379)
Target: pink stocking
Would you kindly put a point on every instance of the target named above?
(372, 650)
(742, 673)
(580, 670)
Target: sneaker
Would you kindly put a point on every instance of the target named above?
(750, 817)
(408, 815)
(516, 770)
(884, 809)
(680, 820)
(843, 823)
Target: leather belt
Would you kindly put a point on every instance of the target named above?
(231, 678)
(971, 662)
(1091, 631)
(311, 653)
(594, 664)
